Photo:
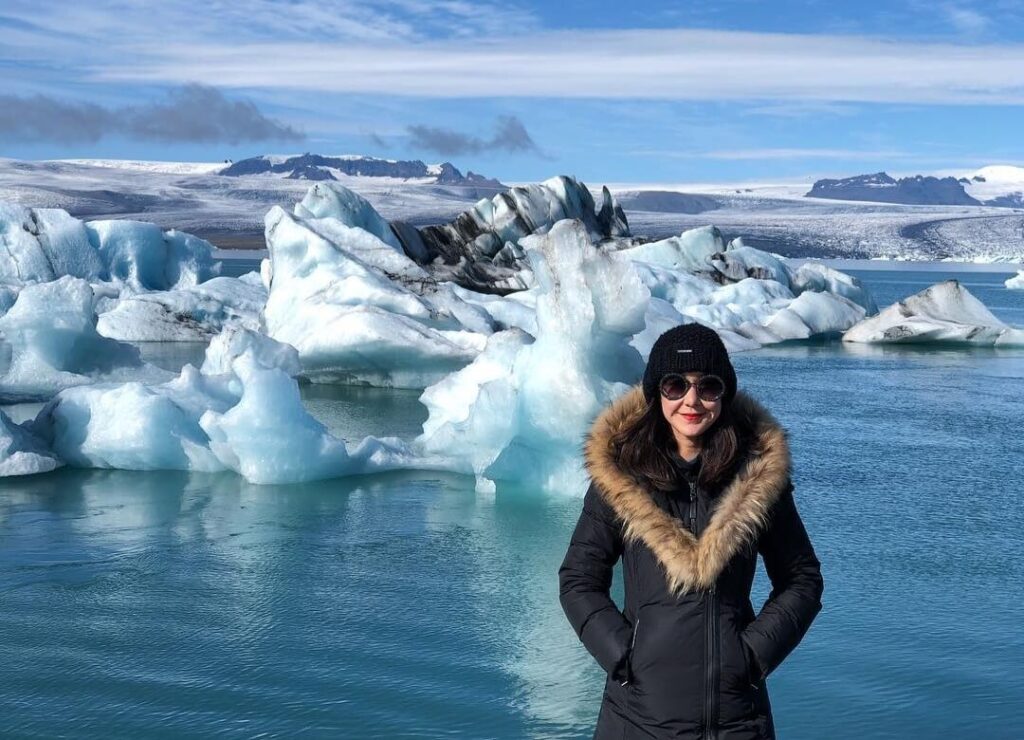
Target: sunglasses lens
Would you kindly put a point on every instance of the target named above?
(674, 387)
(710, 388)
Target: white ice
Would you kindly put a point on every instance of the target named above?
(48, 341)
(241, 412)
(945, 312)
(1016, 282)
(330, 200)
(190, 314)
(518, 409)
(345, 300)
(22, 452)
(43, 244)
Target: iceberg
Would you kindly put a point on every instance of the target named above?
(22, 452)
(328, 200)
(479, 249)
(345, 300)
(1016, 282)
(43, 244)
(945, 312)
(48, 342)
(242, 412)
(691, 251)
(517, 410)
(190, 314)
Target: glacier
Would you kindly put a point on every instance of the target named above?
(945, 312)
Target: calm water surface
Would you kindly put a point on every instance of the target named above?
(406, 605)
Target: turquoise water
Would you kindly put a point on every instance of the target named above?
(406, 605)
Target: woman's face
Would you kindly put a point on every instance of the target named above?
(690, 416)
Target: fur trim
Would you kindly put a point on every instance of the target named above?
(741, 509)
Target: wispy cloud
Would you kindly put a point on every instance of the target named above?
(192, 113)
(966, 21)
(773, 153)
(510, 135)
(644, 64)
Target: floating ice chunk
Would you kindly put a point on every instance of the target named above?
(65, 242)
(130, 426)
(815, 314)
(817, 277)
(514, 310)
(739, 261)
(194, 313)
(518, 410)
(350, 322)
(1017, 281)
(189, 260)
(242, 413)
(690, 251)
(750, 301)
(21, 452)
(135, 252)
(945, 312)
(679, 288)
(141, 256)
(43, 244)
(334, 201)
(232, 343)
(138, 426)
(50, 342)
(268, 437)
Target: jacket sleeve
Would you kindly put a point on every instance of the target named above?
(585, 578)
(795, 598)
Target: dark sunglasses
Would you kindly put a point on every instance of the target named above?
(709, 387)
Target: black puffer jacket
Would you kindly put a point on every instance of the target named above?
(687, 658)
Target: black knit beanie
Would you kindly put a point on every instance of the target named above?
(686, 349)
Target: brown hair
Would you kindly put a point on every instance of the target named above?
(643, 448)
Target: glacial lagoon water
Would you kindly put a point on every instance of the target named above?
(406, 605)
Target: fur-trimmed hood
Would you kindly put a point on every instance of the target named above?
(740, 510)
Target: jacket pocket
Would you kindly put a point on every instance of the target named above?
(753, 671)
(630, 656)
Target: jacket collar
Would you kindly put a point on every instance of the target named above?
(740, 510)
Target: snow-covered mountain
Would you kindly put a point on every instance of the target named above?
(881, 188)
(319, 167)
(994, 185)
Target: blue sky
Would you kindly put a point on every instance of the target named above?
(609, 92)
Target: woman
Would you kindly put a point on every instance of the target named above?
(690, 481)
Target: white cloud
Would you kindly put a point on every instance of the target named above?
(644, 64)
(966, 20)
(773, 153)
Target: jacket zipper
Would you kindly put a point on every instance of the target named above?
(711, 688)
(693, 506)
(712, 639)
